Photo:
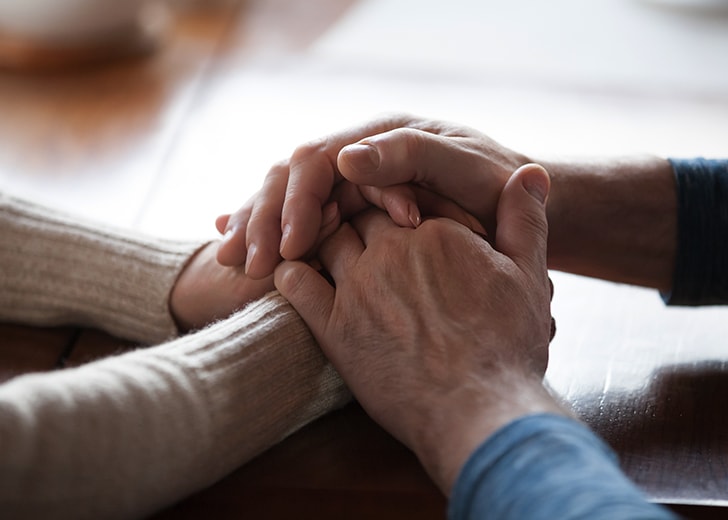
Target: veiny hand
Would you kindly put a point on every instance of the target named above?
(206, 291)
(381, 161)
(441, 337)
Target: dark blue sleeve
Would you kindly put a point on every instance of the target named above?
(546, 467)
(701, 262)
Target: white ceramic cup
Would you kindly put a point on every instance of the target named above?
(71, 21)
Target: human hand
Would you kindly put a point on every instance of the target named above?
(442, 338)
(378, 159)
(206, 291)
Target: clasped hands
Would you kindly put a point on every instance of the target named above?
(442, 336)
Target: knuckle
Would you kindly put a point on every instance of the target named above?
(431, 227)
(274, 184)
(307, 150)
(281, 165)
(414, 142)
(441, 226)
(397, 117)
(241, 217)
(441, 232)
(534, 223)
(290, 282)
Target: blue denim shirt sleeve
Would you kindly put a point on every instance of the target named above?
(544, 467)
(701, 261)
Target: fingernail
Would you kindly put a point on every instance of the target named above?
(477, 227)
(284, 237)
(329, 214)
(252, 249)
(228, 235)
(537, 186)
(414, 216)
(363, 156)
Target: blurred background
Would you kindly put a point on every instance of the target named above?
(165, 140)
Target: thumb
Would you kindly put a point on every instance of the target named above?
(408, 155)
(308, 292)
(386, 164)
(522, 229)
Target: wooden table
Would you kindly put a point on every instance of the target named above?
(167, 142)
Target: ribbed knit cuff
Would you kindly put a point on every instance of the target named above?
(264, 377)
(58, 269)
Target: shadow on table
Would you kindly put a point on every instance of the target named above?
(672, 437)
(341, 466)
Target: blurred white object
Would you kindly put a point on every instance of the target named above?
(73, 22)
(644, 47)
(714, 6)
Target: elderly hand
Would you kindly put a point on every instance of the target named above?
(206, 291)
(441, 337)
(382, 160)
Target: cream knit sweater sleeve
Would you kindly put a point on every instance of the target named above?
(57, 269)
(127, 435)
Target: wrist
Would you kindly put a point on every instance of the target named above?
(613, 219)
(182, 296)
(468, 416)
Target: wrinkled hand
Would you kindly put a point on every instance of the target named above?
(378, 163)
(206, 291)
(441, 337)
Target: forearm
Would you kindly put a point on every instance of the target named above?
(127, 435)
(614, 219)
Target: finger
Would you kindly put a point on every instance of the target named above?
(330, 223)
(372, 224)
(349, 199)
(411, 155)
(418, 202)
(233, 250)
(221, 223)
(522, 227)
(313, 174)
(340, 253)
(399, 201)
(312, 178)
(308, 292)
(263, 228)
(433, 205)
